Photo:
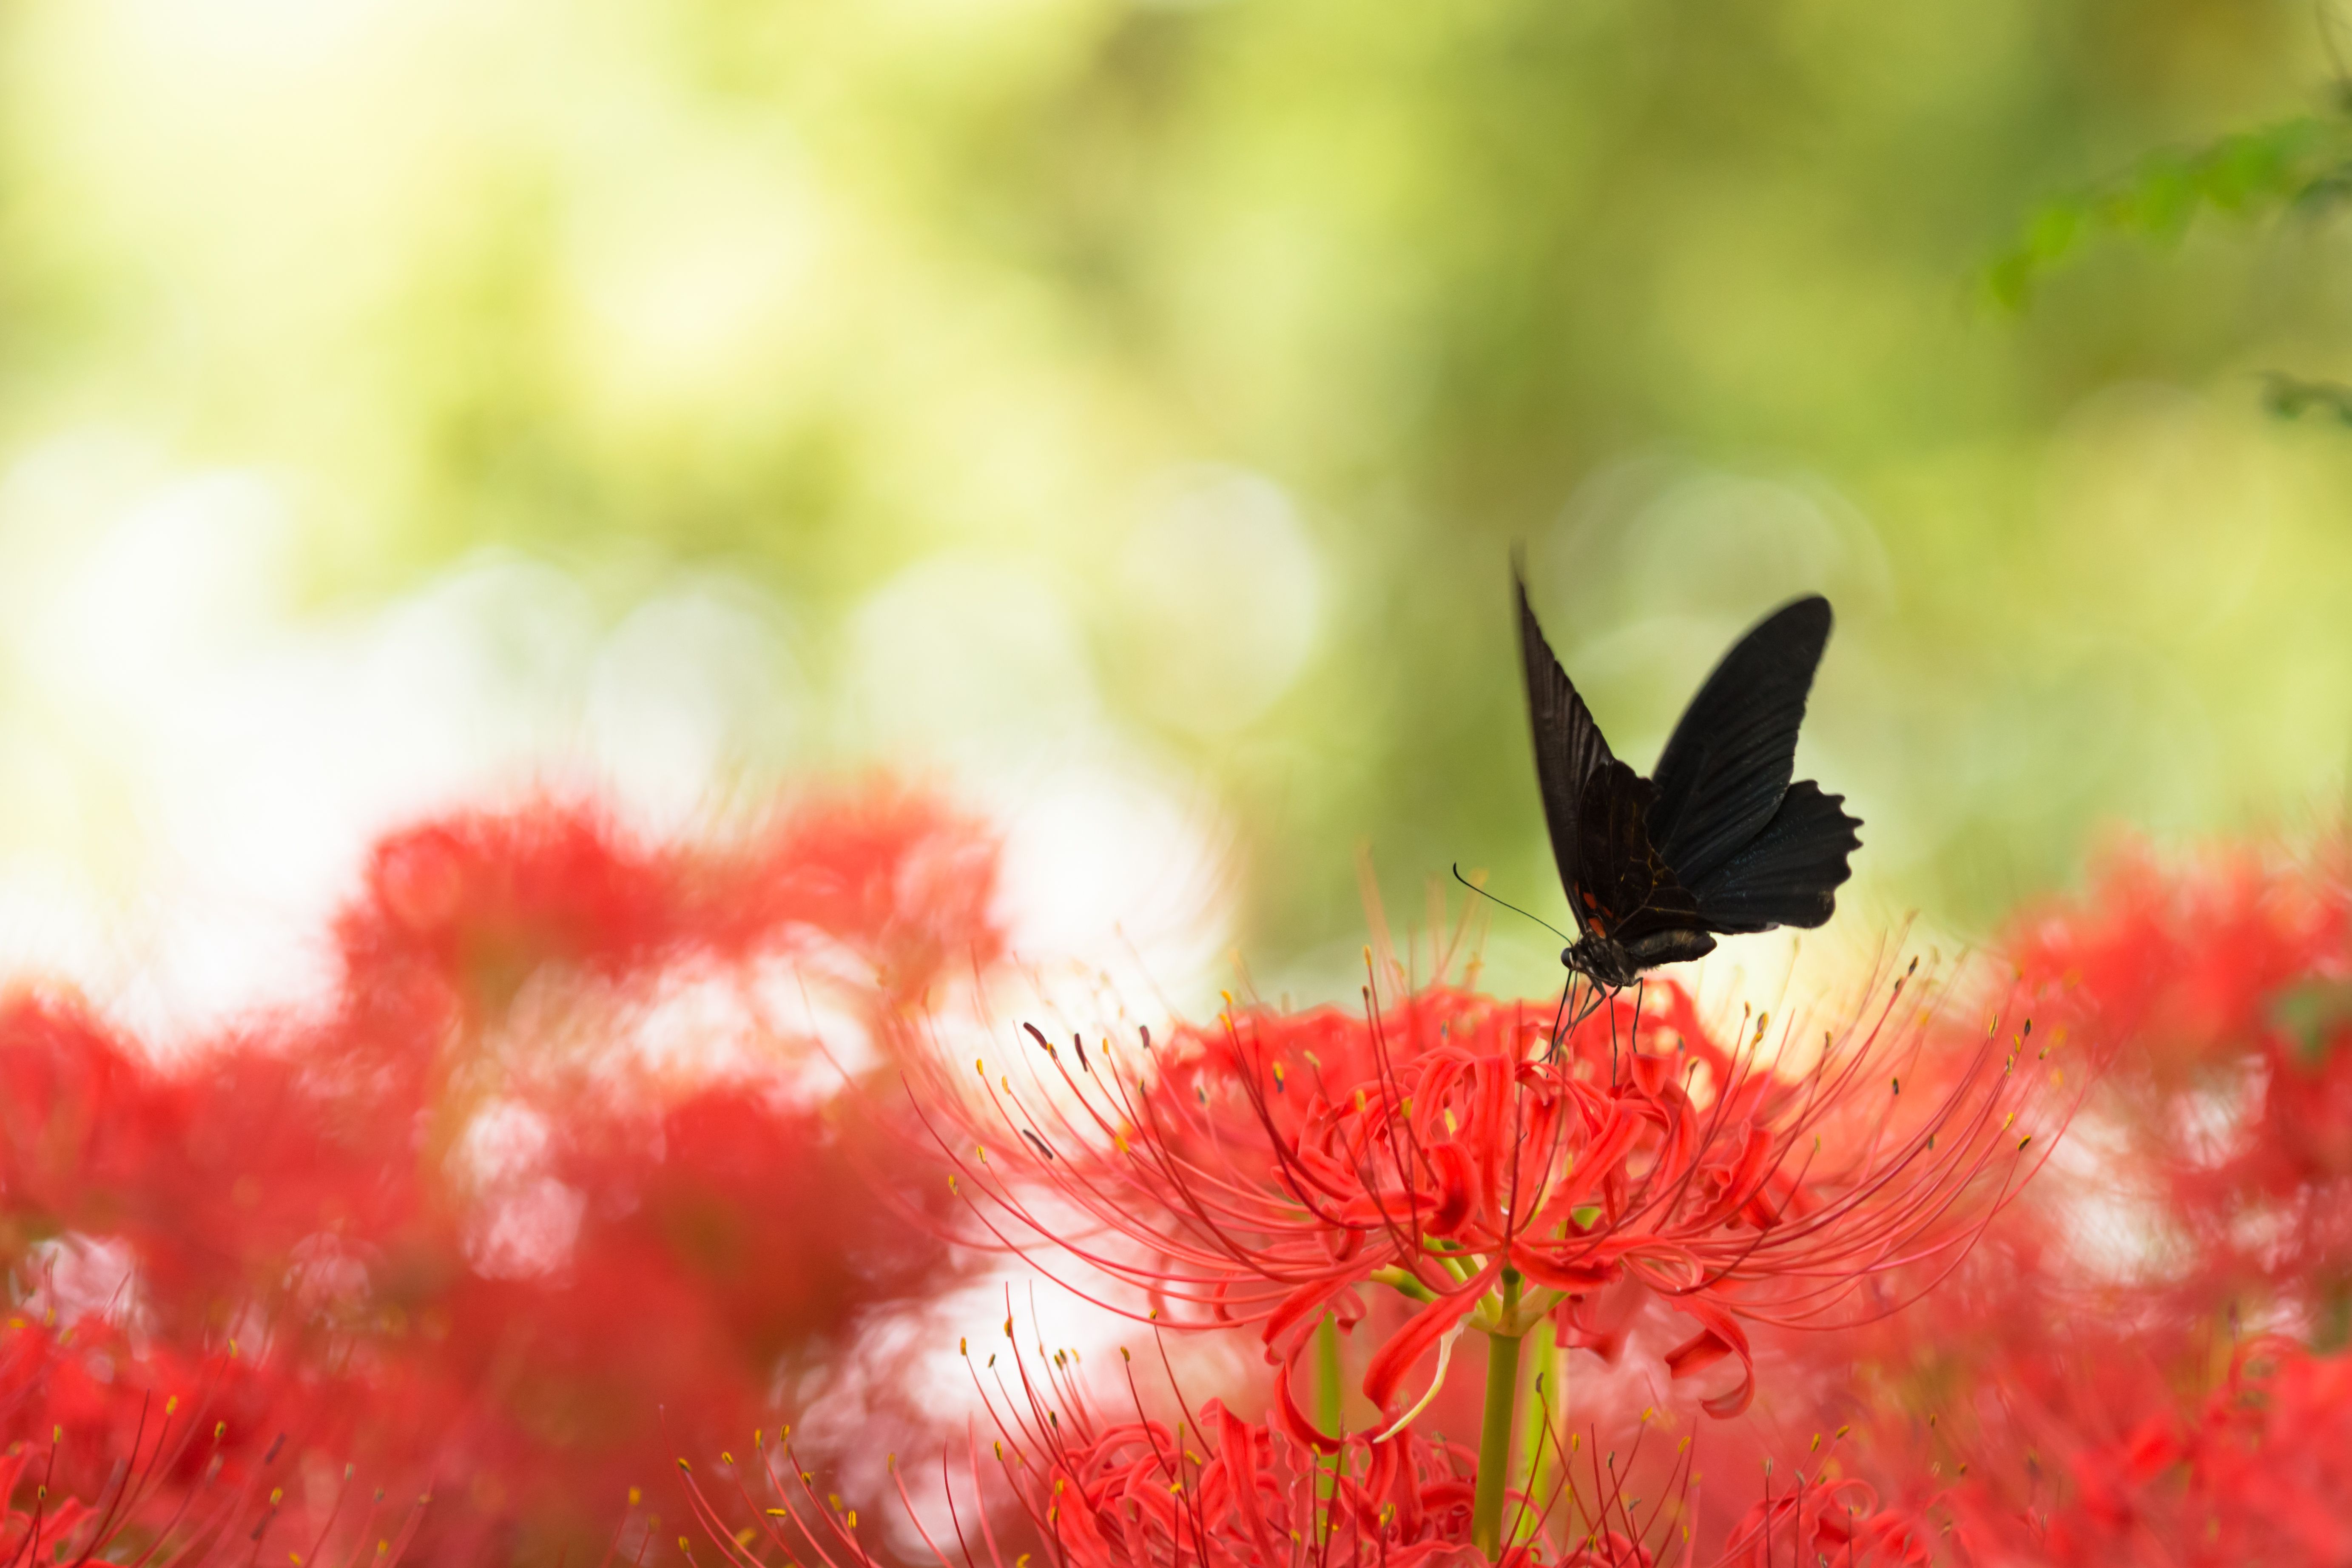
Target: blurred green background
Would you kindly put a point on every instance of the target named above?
(968, 383)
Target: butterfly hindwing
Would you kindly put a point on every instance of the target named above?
(1722, 775)
(1789, 873)
(1569, 750)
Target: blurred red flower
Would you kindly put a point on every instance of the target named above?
(114, 1451)
(2226, 981)
(562, 1163)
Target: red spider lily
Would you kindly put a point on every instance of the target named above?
(1837, 1522)
(100, 1464)
(468, 1199)
(2257, 1474)
(2031, 1404)
(1828, 1516)
(2228, 979)
(1202, 1489)
(1452, 1149)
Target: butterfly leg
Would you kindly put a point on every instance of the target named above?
(1551, 1053)
(1594, 994)
(1612, 1040)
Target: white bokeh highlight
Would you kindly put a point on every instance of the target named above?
(195, 762)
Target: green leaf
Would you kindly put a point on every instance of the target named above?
(2305, 162)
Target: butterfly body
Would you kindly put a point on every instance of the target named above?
(1718, 840)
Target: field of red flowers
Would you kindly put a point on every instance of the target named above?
(601, 1215)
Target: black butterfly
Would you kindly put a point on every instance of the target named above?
(1719, 840)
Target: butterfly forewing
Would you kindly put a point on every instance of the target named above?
(1568, 751)
(1725, 769)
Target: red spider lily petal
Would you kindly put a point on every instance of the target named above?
(1598, 1320)
(1720, 1336)
(1394, 1360)
(1288, 1326)
(1293, 1420)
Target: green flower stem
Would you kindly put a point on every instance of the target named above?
(1404, 1284)
(1328, 1395)
(1495, 1428)
(1328, 1389)
(1545, 1395)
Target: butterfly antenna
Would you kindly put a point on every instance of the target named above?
(1510, 906)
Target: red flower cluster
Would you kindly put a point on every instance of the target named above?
(1202, 1488)
(564, 1183)
(2096, 1384)
(2255, 1474)
(121, 1452)
(562, 1164)
(1833, 1519)
(2230, 979)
